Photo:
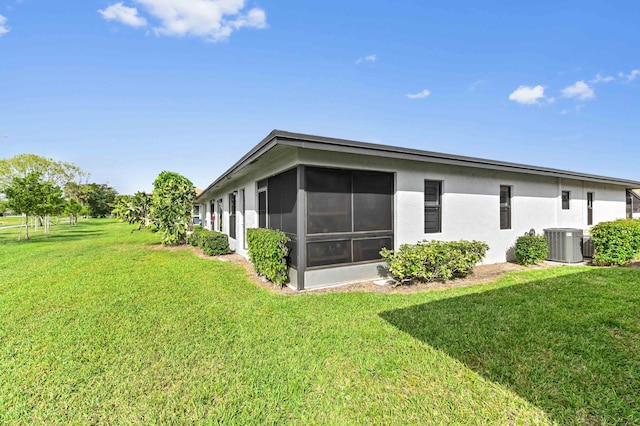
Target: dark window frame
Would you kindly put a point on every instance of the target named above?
(505, 207)
(566, 200)
(232, 215)
(263, 203)
(433, 205)
(590, 199)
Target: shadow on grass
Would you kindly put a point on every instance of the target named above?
(570, 345)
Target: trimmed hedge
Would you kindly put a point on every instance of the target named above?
(434, 260)
(212, 243)
(268, 254)
(531, 249)
(617, 242)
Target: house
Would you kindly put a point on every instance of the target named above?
(341, 201)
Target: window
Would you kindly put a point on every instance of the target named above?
(432, 206)
(262, 204)
(590, 197)
(349, 215)
(196, 214)
(566, 196)
(505, 207)
(219, 215)
(372, 201)
(232, 215)
(328, 201)
(212, 215)
(282, 192)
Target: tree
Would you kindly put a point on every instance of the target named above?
(51, 203)
(30, 195)
(73, 208)
(57, 172)
(135, 209)
(100, 199)
(172, 201)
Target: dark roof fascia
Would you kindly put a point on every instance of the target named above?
(342, 145)
(280, 137)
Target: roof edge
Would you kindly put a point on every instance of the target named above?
(278, 136)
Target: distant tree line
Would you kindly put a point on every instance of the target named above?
(40, 188)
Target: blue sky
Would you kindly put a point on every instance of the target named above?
(127, 89)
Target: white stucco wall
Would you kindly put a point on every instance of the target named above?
(470, 202)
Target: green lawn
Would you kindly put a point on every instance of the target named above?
(100, 325)
(11, 220)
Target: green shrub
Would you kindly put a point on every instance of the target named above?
(268, 254)
(434, 260)
(617, 242)
(195, 237)
(212, 243)
(531, 249)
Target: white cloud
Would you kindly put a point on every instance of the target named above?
(3, 25)
(213, 20)
(631, 76)
(600, 79)
(368, 58)
(475, 85)
(580, 90)
(123, 14)
(526, 95)
(419, 95)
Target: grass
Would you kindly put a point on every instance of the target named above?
(100, 325)
(11, 220)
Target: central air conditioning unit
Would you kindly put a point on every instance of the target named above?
(565, 244)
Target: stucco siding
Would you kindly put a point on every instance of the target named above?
(470, 200)
(470, 203)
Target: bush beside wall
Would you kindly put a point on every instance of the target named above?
(531, 249)
(212, 243)
(617, 242)
(268, 254)
(434, 260)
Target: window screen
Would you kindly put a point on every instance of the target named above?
(369, 249)
(282, 207)
(232, 216)
(328, 201)
(328, 253)
(262, 209)
(432, 206)
(356, 205)
(505, 207)
(565, 200)
(372, 201)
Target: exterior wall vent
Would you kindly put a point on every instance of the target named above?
(565, 244)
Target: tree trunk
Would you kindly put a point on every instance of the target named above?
(26, 227)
